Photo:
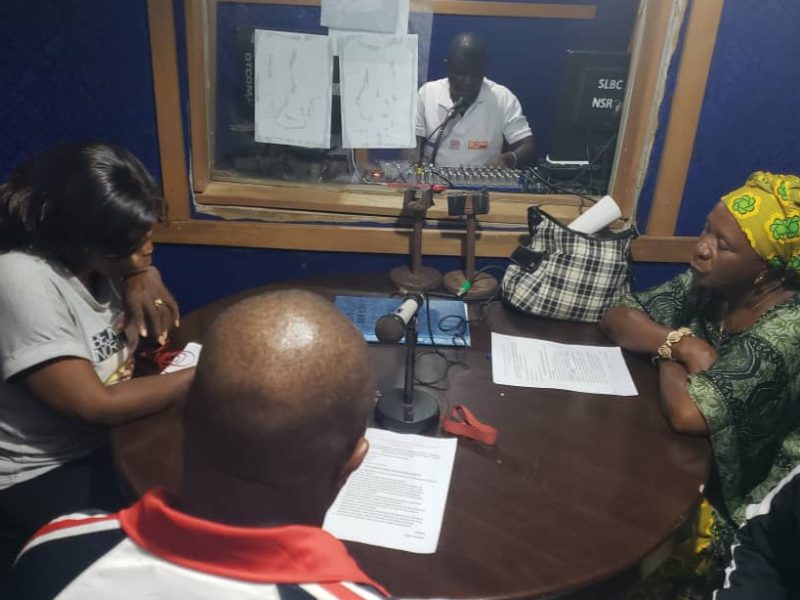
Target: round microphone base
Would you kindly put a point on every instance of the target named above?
(392, 414)
(483, 286)
(425, 280)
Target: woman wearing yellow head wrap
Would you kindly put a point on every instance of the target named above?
(727, 333)
(767, 209)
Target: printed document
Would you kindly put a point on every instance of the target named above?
(396, 498)
(528, 362)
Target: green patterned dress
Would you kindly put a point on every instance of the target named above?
(750, 397)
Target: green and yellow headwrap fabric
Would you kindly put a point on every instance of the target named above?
(767, 209)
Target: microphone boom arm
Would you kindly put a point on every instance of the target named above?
(440, 129)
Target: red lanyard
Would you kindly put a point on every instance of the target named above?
(462, 422)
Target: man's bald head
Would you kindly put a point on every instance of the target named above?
(467, 52)
(465, 65)
(282, 392)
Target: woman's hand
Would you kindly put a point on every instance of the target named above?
(694, 353)
(150, 309)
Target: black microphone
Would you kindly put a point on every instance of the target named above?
(392, 327)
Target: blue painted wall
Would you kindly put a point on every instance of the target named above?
(73, 71)
(77, 70)
(750, 115)
(749, 119)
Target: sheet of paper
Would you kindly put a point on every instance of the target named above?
(396, 498)
(401, 27)
(528, 362)
(379, 90)
(186, 358)
(363, 15)
(293, 88)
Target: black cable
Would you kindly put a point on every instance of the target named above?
(439, 128)
(459, 107)
(440, 176)
(483, 304)
(547, 182)
(452, 113)
(451, 323)
(459, 342)
(554, 187)
(592, 161)
(425, 140)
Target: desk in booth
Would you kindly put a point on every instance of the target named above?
(578, 493)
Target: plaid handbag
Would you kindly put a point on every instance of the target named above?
(564, 274)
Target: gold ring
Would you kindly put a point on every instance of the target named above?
(158, 302)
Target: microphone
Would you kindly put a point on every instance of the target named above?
(459, 106)
(456, 109)
(405, 410)
(391, 328)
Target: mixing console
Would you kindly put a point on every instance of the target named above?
(477, 177)
(497, 179)
(492, 178)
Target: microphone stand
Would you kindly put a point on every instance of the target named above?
(457, 106)
(469, 283)
(438, 142)
(416, 277)
(408, 410)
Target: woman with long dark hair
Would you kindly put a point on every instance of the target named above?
(75, 222)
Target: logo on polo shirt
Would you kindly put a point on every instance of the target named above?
(478, 144)
(455, 144)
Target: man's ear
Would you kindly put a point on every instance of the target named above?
(355, 460)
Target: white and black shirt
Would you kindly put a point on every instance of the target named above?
(153, 550)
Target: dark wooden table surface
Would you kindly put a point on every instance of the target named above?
(578, 492)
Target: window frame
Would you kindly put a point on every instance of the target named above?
(327, 217)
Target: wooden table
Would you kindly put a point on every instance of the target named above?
(579, 491)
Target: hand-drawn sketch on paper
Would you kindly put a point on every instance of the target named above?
(293, 88)
(379, 90)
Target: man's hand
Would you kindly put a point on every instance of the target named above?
(694, 353)
(150, 308)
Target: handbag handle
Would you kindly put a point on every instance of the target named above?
(536, 215)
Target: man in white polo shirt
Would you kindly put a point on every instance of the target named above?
(464, 119)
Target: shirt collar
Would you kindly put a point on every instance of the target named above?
(286, 554)
(445, 101)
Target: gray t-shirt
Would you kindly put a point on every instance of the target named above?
(46, 313)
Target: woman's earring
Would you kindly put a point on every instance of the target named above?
(760, 278)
